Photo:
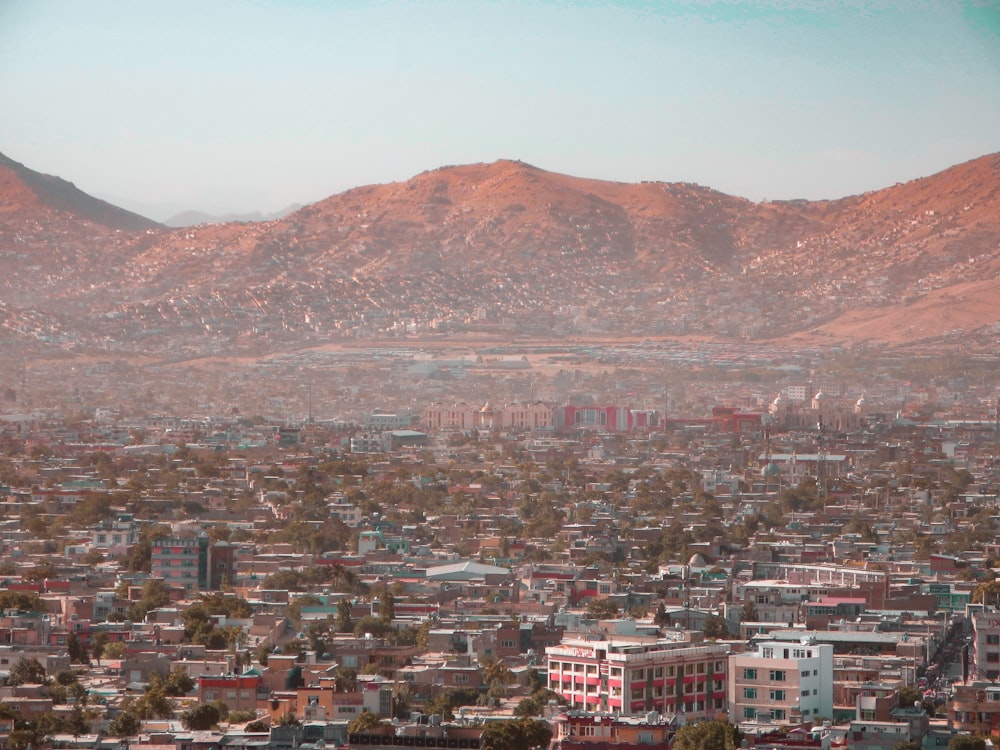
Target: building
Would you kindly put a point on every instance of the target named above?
(984, 655)
(637, 675)
(192, 563)
(782, 683)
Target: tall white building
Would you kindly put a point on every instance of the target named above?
(783, 683)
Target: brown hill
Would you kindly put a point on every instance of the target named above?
(509, 249)
(27, 195)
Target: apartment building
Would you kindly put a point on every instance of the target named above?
(985, 651)
(783, 683)
(637, 675)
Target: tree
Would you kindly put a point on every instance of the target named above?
(602, 609)
(986, 593)
(519, 734)
(907, 745)
(98, 642)
(201, 717)
(707, 735)
(386, 606)
(967, 742)
(528, 707)
(661, 617)
(77, 653)
(114, 650)
(26, 671)
(178, 683)
(748, 612)
(365, 722)
(715, 627)
(125, 724)
(498, 676)
(343, 622)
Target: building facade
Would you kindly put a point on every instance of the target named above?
(782, 683)
(638, 675)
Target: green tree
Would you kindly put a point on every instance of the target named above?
(967, 742)
(125, 724)
(987, 592)
(178, 683)
(201, 717)
(77, 653)
(518, 734)
(343, 622)
(528, 707)
(365, 722)
(602, 609)
(26, 672)
(386, 606)
(707, 735)
(97, 643)
(715, 627)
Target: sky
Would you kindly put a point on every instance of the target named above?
(237, 106)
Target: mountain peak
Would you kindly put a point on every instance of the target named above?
(28, 193)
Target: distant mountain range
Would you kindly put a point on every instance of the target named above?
(506, 250)
(194, 218)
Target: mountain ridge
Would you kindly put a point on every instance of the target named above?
(506, 249)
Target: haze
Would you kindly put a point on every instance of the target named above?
(227, 106)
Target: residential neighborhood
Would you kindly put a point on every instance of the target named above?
(811, 570)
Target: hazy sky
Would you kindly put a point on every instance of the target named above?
(237, 106)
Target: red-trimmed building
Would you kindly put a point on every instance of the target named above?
(238, 692)
(637, 675)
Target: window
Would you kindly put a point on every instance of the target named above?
(459, 678)
(638, 674)
(777, 675)
(767, 653)
(778, 714)
(749, 713)
(749, 674)
(777, 695)
(507, 644)
(701, 667)
(993, 639)
(749, 693)
(993, 656)
(689, 669)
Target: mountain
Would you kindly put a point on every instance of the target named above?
(508, 249)
(194, 218)
(26, 195)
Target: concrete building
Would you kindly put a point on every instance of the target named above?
(784, 683)
(637, 675)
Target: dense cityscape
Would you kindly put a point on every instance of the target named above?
(630, 546)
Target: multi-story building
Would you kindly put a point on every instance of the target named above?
(984, 655)
(975, 708)
(636, 675)
(181, 561)
(192, 563)
(785, 683)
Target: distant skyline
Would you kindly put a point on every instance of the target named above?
(227, 106)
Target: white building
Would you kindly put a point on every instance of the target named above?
(782, 683)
